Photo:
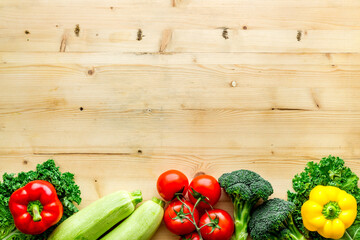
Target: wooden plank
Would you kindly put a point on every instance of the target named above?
(122, 172)
(265, 41)
(234, 14)
(193, 76)
(181, 41)
(200, 131)
(186, 86)
(262, 3)
(128, 4)
(142, 58)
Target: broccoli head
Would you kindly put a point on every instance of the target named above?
(245, 188)
(273, 220)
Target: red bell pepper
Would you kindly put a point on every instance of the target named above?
(35, 207)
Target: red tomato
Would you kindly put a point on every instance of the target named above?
(171, 182)
(207, 187)
(191, 236)
(221, 227)
(176, 214)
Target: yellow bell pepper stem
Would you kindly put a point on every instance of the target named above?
(329, 211)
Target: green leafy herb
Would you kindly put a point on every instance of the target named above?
(353, 232)
(66, 189)
(330, 171)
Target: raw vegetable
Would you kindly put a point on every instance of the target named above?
(172, 183)
(245, 189)
(216, 224)
(68, 193)
(178, 218)
(142, 224)
(273, 221)
(191, 236)
(207, 188)
(329, 211)
(35, 207)
(94, 220)
(330, 171)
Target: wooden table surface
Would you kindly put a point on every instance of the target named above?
(120, 91)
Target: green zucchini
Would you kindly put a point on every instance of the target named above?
(142, 224)
(94, 220)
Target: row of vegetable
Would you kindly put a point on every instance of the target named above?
(42, 204)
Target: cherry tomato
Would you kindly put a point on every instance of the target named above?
(170, 183)
(176, 214)
(208, 188)
(221, 225)
(191, 236)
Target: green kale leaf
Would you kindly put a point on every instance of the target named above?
(353, 232)
(66, 189)
(330, 171)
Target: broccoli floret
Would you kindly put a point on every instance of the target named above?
(273, 220)
(245, 189)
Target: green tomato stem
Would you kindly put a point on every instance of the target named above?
(192, 215)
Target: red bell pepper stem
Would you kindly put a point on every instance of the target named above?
(35, 209)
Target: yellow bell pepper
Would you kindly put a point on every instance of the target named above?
(329, 211)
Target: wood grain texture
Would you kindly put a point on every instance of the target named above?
(120, 91)
(180, 40)
(184, 14)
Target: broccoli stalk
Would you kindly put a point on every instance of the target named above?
(273, 220)
(242, 211)
(245, 188)
(293, 231)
